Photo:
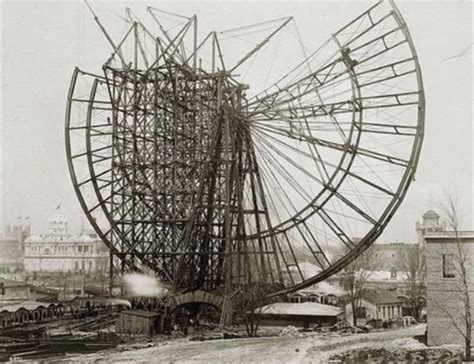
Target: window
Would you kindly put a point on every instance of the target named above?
(448, 266)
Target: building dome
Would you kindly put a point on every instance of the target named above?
(59, 219)
(58, 225)
(430, 214)
(85, 238)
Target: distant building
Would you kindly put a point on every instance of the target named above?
(387, 280)
(13, 290)
(11, 247)
(60, 251)
(445, 305)
(322, 292)
(391, 257)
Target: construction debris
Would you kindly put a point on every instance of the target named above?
(290, 331)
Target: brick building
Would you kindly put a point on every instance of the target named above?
(444, 299)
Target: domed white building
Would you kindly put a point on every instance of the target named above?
(60, 251)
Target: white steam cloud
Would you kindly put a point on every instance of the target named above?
(141, 285)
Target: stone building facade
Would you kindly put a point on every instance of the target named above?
(445, 305)
(61, 251)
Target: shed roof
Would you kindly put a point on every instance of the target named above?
(140, 313)
(12, 283)
(301, 309)
(27, 305)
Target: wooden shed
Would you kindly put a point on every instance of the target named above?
(138, 322)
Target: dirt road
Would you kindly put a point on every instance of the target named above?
(313, 348)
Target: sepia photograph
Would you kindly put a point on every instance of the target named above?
(236, 182)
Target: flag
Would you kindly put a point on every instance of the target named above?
(19, 217)
(58, 207)
(27, 218)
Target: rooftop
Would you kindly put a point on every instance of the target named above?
(322, 289)
(27, 305)
(386, 276)
(11, 283)
(301, 309)
(449, 234)
(383, 297)
(430, 214)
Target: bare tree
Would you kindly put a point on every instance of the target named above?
(248, 303)
(414, 277)
(354, 279)
(449, 208)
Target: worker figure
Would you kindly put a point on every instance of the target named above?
(346, 58)
(167, 324)
(183, 321)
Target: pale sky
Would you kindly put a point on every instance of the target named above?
(42, 42)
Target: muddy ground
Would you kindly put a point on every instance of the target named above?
(310, 348)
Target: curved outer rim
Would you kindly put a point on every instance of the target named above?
(408, 176)
(92, 173)
(72, 171)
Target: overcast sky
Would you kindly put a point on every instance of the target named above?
(43, 41)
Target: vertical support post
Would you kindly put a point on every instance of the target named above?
(195, 23)
(111, 273)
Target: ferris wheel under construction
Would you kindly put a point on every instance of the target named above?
(183, 168)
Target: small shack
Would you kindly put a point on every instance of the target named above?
(11, 290)
(138, 322)
(299, 314)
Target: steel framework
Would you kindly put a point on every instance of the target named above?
(179, 170)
